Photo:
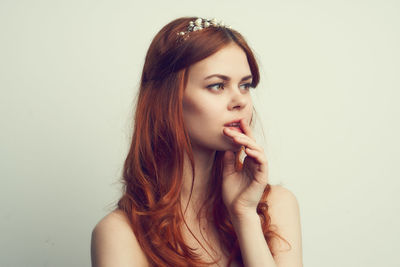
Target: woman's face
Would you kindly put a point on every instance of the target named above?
(217, 94)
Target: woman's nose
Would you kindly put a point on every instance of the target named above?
(238, 100)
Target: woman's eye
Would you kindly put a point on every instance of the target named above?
(216, 86)
(246, 86)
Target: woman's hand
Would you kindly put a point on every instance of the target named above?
(242, 190)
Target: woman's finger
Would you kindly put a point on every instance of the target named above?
(244, 125)
(243, 139)
(259, 158)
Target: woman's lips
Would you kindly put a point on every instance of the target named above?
(238, 129)
(234, 126)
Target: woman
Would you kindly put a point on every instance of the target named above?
(188, 199)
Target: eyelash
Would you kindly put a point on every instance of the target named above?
(248, 86)
(211, 86)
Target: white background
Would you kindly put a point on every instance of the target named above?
(328, 103)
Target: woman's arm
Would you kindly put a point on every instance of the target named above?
(284, 213)
(242, 190)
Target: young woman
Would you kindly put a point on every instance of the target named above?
(188, 199)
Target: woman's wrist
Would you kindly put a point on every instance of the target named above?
(243, 218)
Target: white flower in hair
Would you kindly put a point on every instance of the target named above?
(200, 24)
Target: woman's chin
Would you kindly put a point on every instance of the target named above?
(232, 147)
(223, 144)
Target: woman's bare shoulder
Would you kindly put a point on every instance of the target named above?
(285, 215)
(280, 193)
(114, 243)
(283, 205)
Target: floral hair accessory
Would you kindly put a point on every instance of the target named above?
(200, 24)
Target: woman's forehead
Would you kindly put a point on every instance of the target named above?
(230, 61)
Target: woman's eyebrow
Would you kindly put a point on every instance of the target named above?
(226, 78)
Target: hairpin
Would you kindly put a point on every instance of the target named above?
(200, 24)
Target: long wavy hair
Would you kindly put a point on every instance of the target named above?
(153, 169)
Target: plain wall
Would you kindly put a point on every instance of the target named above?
(328, 103)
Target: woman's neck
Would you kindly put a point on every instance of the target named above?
(203, 163)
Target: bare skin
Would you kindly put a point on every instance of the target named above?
(217, 93)
(114, 243)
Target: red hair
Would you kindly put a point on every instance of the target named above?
(153, 169)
